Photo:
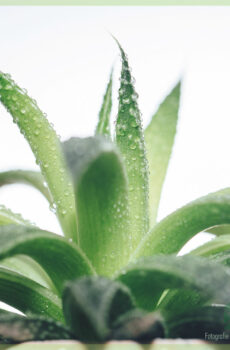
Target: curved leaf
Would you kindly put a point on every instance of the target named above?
(28, 268)
(101, 201)
(46, 148)
(170, 234)
(159, 139)
(28, 296)
(138, 326)
(103, 127)
(149, 277)
(16, 329)
(220, 230)
(92, 304)
(61, 260)
(27, 177)
(215, 246)
(202, 323)
(8, 217)
(130, 140)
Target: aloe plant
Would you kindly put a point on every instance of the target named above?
(115, 273)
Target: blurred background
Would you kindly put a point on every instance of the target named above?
(63, 57)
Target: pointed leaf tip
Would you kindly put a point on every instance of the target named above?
(159, 139)
(103, 126)
(130, 140)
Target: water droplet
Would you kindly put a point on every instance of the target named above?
(36, 133)
(134, 96)
(133, 146)
(63, 212)
(132, 112)
(23, 111)
(53, 208)
(126, 100)
(134, 123)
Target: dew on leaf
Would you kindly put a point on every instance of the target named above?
(53, 208)
(36, 132)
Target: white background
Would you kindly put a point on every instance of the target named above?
(63, 56)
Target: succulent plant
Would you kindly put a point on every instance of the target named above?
(115, 273)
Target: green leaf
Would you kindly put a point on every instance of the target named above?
(159, 138)
(28, 296)
(201, 323)
(46, 147)
(222, 258)
(215, 246)
(8, 217)
(92, 304)
(101, 201)
(220, 230)
(130, 140)
(28, 268)
(170, 234)
(103, 127)
(149, 277)
(61, 260)
(27, 177)
(17, 329)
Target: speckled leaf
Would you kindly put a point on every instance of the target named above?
(28, 296)
(101, 201)
(62, 260)
(170, 235)
(92, 304)
(103, 126)
(46, 147)
(27, 177)
(138, 326)
(149, 277)
(17, 329)
(201, 323)
(222, 258)
(130, 140)
(159, 138)
(8, 217)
